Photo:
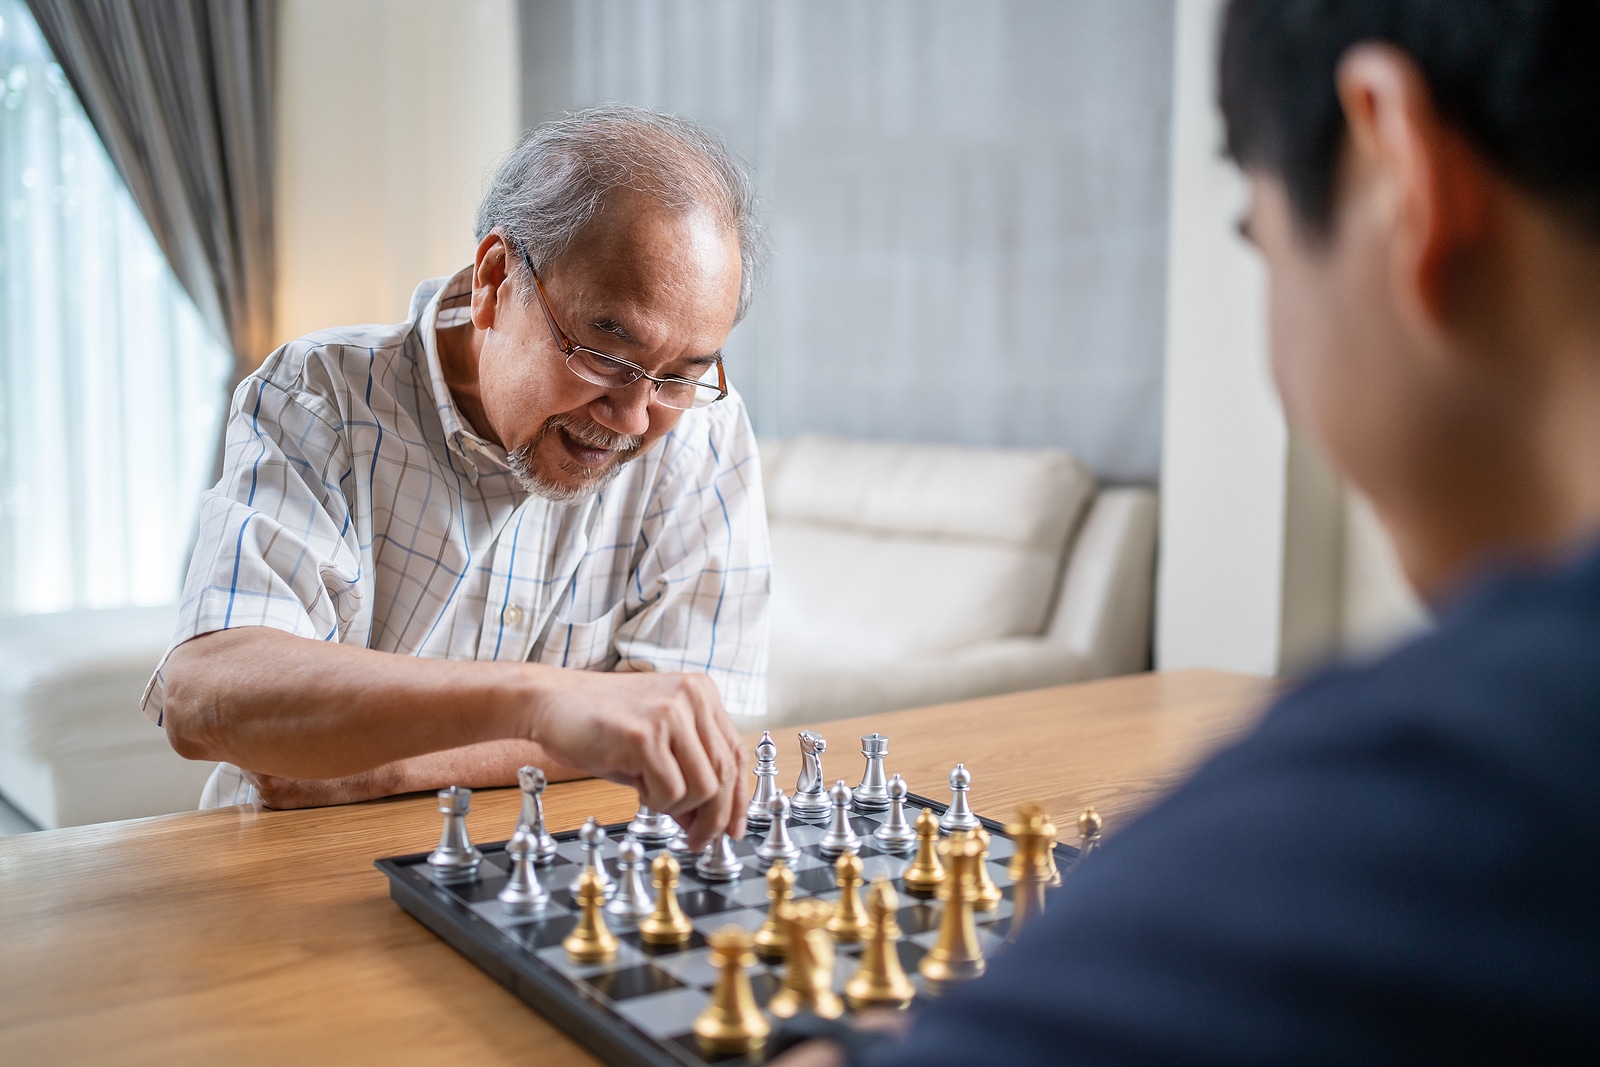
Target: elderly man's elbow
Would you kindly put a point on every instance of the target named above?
(189, 712)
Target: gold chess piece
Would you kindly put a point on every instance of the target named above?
(731, 1024)
(848, 923)
(1089, 827)
(880, 982)
(667, 924)
(591, 940)
(926, 873)
(956, 955)
(772, 940)
(1051, 834)
(986, 895)
(808, 978)
(1029, 869)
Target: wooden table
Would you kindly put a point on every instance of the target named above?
(242, 936)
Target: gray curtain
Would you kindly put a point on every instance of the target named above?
(180, 92)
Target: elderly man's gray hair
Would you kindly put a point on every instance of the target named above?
(555, 180)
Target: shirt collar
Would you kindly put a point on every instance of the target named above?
(434, 305)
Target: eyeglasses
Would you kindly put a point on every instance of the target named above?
(613, 372)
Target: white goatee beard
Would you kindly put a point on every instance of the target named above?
(520, 459)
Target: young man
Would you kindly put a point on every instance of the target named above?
(524, 526)
(1402, 864)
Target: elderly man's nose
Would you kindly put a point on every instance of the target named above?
(626, 410)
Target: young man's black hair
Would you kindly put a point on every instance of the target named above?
(1402, 863)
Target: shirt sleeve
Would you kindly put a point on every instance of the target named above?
(276, 544)
(704, 576)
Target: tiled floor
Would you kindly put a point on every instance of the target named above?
(13, 821)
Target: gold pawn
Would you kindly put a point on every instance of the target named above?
(848, 923)
(667, 925)
(1029, 870)
(772, 940)
(731, 1024)
(1089, 827)
(591, 940)
(956, 956)
(880, 982)
(1050, 836)
(808, 978)
(986, 895)
(926, 873)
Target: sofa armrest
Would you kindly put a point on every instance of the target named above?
(1103, 611)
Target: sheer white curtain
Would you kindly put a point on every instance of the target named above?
(111, 387)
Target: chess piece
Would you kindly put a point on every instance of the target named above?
(848, 923)
(808, 976)
(926, 873)
(1089, 827)
(840, 836)
(593, 838)
(895, 833)
(522, 893)
(872, 795)
(772, 940)
(632, 901)
(1049, 830)
(986, 896)
(809, 801)
(758, 814)
(778, 845)
(667, 924)
(591, 941)
(731, 1025)
(956, 955)
(651, 827)
(958, 816)
(1029, 870)
(880, 982)
(532, 781)
(456, 859)
(719, 863)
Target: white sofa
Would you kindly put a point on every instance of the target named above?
(914, 574)
(74, 747)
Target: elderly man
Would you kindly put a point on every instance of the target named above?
(523, 526)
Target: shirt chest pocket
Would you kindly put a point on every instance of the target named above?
(584, 646)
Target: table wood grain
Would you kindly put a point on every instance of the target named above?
(245, 936)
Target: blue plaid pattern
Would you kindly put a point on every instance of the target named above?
(357, 505)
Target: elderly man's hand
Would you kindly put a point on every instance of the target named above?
(665, 735)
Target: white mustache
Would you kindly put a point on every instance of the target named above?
(597, 436)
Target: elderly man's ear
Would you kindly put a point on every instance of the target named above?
(491, 279)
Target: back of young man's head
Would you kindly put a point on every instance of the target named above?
(1426, 194)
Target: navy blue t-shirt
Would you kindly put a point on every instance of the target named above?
(1401, 864)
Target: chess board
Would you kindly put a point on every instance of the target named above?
(638, 1009)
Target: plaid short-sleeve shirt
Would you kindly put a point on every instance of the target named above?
(357, 505)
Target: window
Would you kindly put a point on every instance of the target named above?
(111, 385)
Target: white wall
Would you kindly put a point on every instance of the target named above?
(390, 117)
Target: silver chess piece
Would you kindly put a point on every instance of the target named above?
(958, 816)
(840, 837)
(719, 863)
(456, 859)
(531, 821)
(632, 901)
(756, 815)
(523, 894)
(872, 794)
(593, 839)
(652, 827)
(809, 800)
(895, 833)
(778, 845)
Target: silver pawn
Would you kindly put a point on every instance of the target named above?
(531, 821)
(756, 815)
(778, 845)
(895, 833)
(523, 894)
(456, 859)
(840, 837)
(719, 863)
(958, 816)
(593, 837)
(872, 794)
(809, 800)
(652, 827)
(633, 901)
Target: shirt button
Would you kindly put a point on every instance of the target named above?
(511, 616)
